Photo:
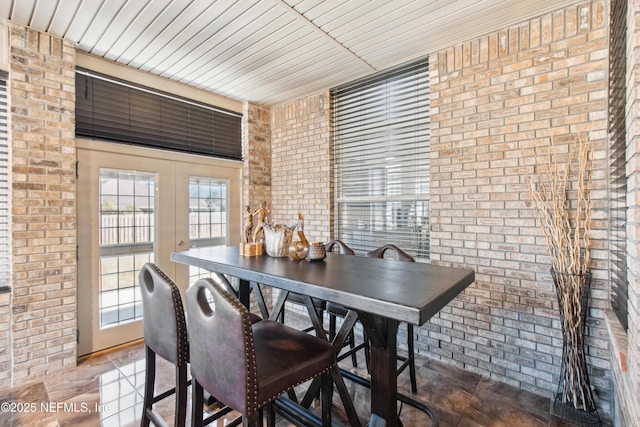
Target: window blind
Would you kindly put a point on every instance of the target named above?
(5, 270)
(111, 109)
(618, 161)
(381, 160)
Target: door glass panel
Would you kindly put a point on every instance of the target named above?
(127, 234)
(207, 216)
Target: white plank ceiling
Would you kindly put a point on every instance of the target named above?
(268, 51)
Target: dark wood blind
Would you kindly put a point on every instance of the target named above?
(115, 110)
(381, 160)
(618, 161)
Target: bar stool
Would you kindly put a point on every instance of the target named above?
(246, 365)
(318, 304)
(165, 335)
(409, 361)
(338, 310)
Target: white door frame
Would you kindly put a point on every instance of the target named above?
(172, 232)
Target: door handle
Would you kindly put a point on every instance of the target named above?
(181, 243)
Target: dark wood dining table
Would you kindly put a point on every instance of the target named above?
(380, 293)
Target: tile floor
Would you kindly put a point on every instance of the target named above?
(106, 390)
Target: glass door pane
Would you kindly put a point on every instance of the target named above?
(127, 235)
(207, 216)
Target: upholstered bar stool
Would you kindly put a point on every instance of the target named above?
(297, 299)
(165, 335)
(408, 361)
(246, 365)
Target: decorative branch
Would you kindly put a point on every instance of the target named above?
(566, 226)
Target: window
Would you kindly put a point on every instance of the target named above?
(618, 161)
(114, 110)
(127, 238)
(4, 184)
(207, 217)
(207, 211)
(381, 160)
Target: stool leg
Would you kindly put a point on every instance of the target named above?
(271, 415)
(411, 357)
(327, 395)
(367, 350)
(253, 421)
(196, 403)
(332, 326)
(181, 396)
(352, 344)
(150, 379)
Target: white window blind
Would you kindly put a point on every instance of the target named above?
(4, 183)
(381, 160)
(618, 161)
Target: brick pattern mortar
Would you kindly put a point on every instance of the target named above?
(491, 98)
(5, 338)
(301, 159)
(256, 183)
(42, 91)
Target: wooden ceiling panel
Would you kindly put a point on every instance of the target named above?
(268, 51)
(230, 42)
(62, 17)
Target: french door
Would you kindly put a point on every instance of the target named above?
(137, 205)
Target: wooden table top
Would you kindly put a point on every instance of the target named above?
(405, 291)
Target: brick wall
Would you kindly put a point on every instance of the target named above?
(42, 90)
(256, 185)
(5, 337)
(301, 173)
(491, 98)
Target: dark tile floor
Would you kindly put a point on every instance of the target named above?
(106, 389)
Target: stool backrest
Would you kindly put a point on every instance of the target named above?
(222, 352)
(340, 245)
(165, 330)
(400, 254)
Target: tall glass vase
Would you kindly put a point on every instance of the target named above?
(574, 400)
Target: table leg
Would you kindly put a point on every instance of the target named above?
(262, 305)
(335, 372)
(244, 290)
(383, 369)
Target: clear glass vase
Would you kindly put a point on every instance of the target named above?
(277, 239)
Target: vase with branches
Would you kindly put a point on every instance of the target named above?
(560, 189)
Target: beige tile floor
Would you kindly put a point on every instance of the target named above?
(106, 390)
